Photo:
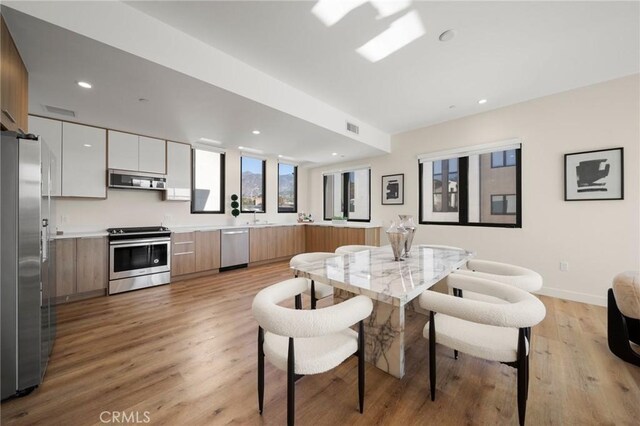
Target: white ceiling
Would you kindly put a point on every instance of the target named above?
(506, 52)
(179, 108)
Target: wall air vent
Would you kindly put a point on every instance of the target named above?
(59, 111)
(353, 128)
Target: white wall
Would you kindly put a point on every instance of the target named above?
(127, 207)
(598, 238)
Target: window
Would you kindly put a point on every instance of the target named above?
(287, 188)
(480, 187)
(503, 204)
(505, 158)
(348, 194)
(252, 185)
(208, 182)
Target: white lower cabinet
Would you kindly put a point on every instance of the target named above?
(84, 161)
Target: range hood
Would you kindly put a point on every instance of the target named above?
(127, 179)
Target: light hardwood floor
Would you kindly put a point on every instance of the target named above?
(186, 353)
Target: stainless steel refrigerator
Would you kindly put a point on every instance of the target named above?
(28, 317)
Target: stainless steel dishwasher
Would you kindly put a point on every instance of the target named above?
(234, 248)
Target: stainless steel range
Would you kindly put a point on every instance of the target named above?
(139, 258)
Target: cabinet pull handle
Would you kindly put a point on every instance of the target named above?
(182, 242)
(8, 114)
(182, 254)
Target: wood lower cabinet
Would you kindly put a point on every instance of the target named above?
(92, 270)
(81, 268)
(183, 253)
(207, 250)
(275, 242)
(329, 238)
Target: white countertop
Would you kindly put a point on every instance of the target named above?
(192, 228)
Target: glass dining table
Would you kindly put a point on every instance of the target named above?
(393, 286)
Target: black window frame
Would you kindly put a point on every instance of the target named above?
(345, 196)
(504, 203)
(463, 195)
(264, 185)
(193, 183)
(295, 189)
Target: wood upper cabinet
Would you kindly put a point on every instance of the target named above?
(84, 150)
(14, 82)
(92, 271)
(207, 250)
(136, 153)
(50, 132)
(178, 172)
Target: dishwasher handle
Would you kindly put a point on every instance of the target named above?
(244, 231)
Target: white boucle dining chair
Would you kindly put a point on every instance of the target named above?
(495, 332)
(315, 290)
(353, 249)
(304, 342)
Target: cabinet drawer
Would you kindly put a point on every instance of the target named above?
(183, 263)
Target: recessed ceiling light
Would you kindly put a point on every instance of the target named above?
(482, 101)
(87, 145)
(256, 132)
(334, 153)
(447, 35)
(280, 155)
(84, 85)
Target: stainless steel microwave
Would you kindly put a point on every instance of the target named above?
(136, 180)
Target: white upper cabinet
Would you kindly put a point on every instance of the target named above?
(84, 160)
(123, 151)
(151, 155)
(50, 132)
(178, 172)
(136, 153)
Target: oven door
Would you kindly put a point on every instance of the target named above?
(132, 258)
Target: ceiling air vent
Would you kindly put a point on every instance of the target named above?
(353, 128)
(59, 111)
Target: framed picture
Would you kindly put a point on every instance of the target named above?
(594, 175)
(393, 189)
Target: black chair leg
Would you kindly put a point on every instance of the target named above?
(291, 387)
(361, 366)
(522, 366)
(455, 354)
(432, 355)
(260, 370)
(618, 333)
(298, 300)
(313, 295)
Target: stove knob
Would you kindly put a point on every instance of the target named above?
(121, 231)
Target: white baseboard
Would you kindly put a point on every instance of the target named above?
(574, 296)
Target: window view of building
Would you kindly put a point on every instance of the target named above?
(208, 179)
(445, 185)
(490, 181)
(252, 186)
(287, 188)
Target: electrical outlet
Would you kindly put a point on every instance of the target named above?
(564, 265)
(167, 219)
(64, 219)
